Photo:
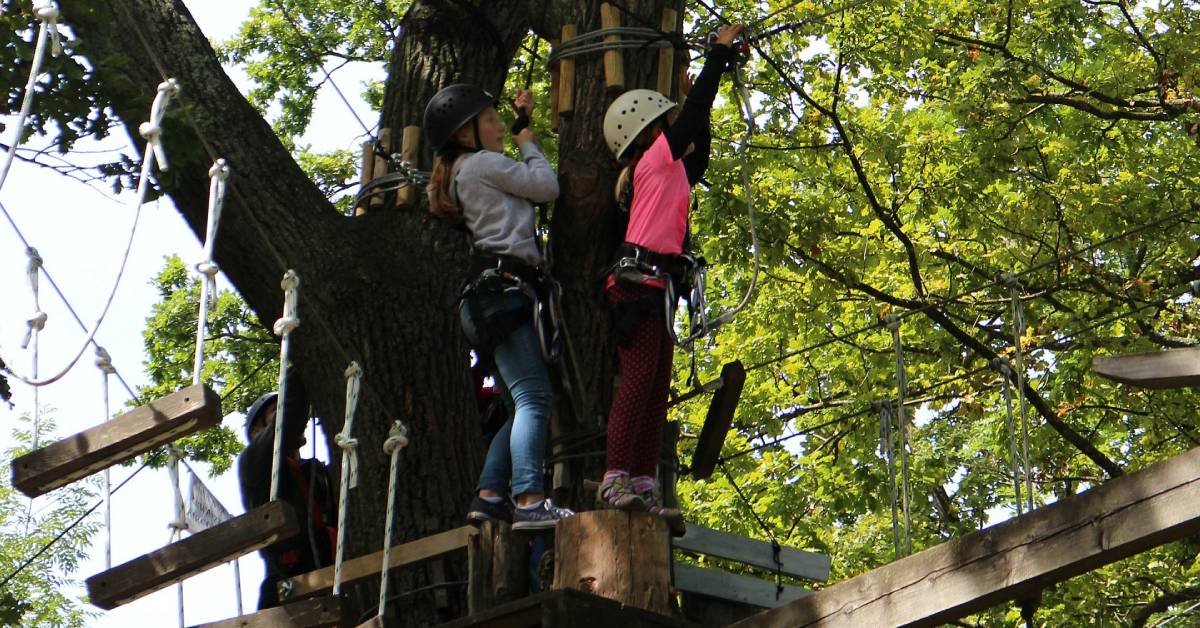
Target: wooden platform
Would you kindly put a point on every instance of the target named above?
(1175, 368)
(567, 608)
(1014, 559)
(137, 431)
(178, 561)
(323, 612)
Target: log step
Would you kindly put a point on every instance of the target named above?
(161, 421)
(320, 612)
(180, 560)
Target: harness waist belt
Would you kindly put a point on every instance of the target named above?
(673, 265)
(505, 265)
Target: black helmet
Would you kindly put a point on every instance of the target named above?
(451, 108)
(256, 408)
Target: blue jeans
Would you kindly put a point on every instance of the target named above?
(516, 454)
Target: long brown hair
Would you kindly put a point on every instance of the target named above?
(440, 202)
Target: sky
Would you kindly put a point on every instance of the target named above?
(81, 234)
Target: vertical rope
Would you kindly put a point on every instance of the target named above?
(1014, 291)
(349, 468)
(284, 328)
(237, 587)
(885, 446)
(179, 523)
(34, 326)
(47, 12)
(893, 323)
(104, 363)
(397, 439)
(207, 267)
(1006, 372)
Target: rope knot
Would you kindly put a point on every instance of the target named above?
(892, 322)
(343, 440)
(1002, 365)
(208, 267)
(48, 13)
(35, 323)
(397, 438)
(104, 361)
(286, 325)
(290, 320)
(1009, 280)
(219, 169)
(35, 259)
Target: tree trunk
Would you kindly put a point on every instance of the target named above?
(380, 288)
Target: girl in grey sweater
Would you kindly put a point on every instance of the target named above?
(476, 185)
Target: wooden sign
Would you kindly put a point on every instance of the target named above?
(719, 420)
(315, 613)
(1174, 368)
(180, 560)
(161, 421)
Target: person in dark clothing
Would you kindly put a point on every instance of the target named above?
(304, 484)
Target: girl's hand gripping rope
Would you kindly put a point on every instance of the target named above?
(523, 105)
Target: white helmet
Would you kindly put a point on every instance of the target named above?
(629, 114)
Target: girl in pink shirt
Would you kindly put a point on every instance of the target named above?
(664, 160)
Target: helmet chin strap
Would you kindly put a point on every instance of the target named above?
(475, 128)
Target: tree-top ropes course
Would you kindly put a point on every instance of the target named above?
(1015, 560)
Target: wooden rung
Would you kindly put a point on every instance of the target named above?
(368, 169)
(321, 612)
(1174, 368)
(381, 165)
(410, 145)
(554, 69)
(139, 430)
(732, 587)
(180, 560)
(719, 420)
(321, 581)
(566, 75)
(614, 68)
(666, 54)
(793, 562)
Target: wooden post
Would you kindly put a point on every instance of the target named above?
(141, 429)
(666, 55)
(497, 566)
(319, 612)
(614, 68)
(623, 556)
(380, 167)
(410, 146)
(554, 80)
(368, 167)
(566, 78)
(180, 560)
(1014, 559)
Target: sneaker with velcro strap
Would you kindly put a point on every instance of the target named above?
(544, 517)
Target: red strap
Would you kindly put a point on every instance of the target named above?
(317, 514)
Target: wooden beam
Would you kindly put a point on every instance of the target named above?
(1014, 559)
(666, 54)
(733, 587)
(795, 563)
(315, 613)
(410, 146)
(566, 75)
(567, 608)
(381, 158)
(321, 581)
(180, 560)
(139, 430)
(554, 88)
(718, 420)
(1174, 368)
(614, 66)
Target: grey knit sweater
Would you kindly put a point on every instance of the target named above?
(496, 196)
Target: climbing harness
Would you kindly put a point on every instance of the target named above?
(495, 274)
(208, 289)
(284, 327)
(1005, 373)
(397, 439)
(349, 479)
(47, 12)
(1018, 315)
(893, 324)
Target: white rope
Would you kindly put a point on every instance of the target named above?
(165, 90)
(397, 439)
(893, 323)
(35, 324)
(349, 447)
(47, 12)
(284, 328)
(1014, 290)
(179, 523)
(1006, 372)
(885, 446)
(207, 267)
(104, 363)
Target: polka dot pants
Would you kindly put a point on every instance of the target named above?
(637, 416)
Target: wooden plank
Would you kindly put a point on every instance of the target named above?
(321, 581)
(734, 587)
(614, 68)
(566, 608)
(163, 420)
(666, 54)
(1014, 559)
(718, 420)
(1174, 368)
(180, 560)
(566, 76)
(315, 613)
(795, 563)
